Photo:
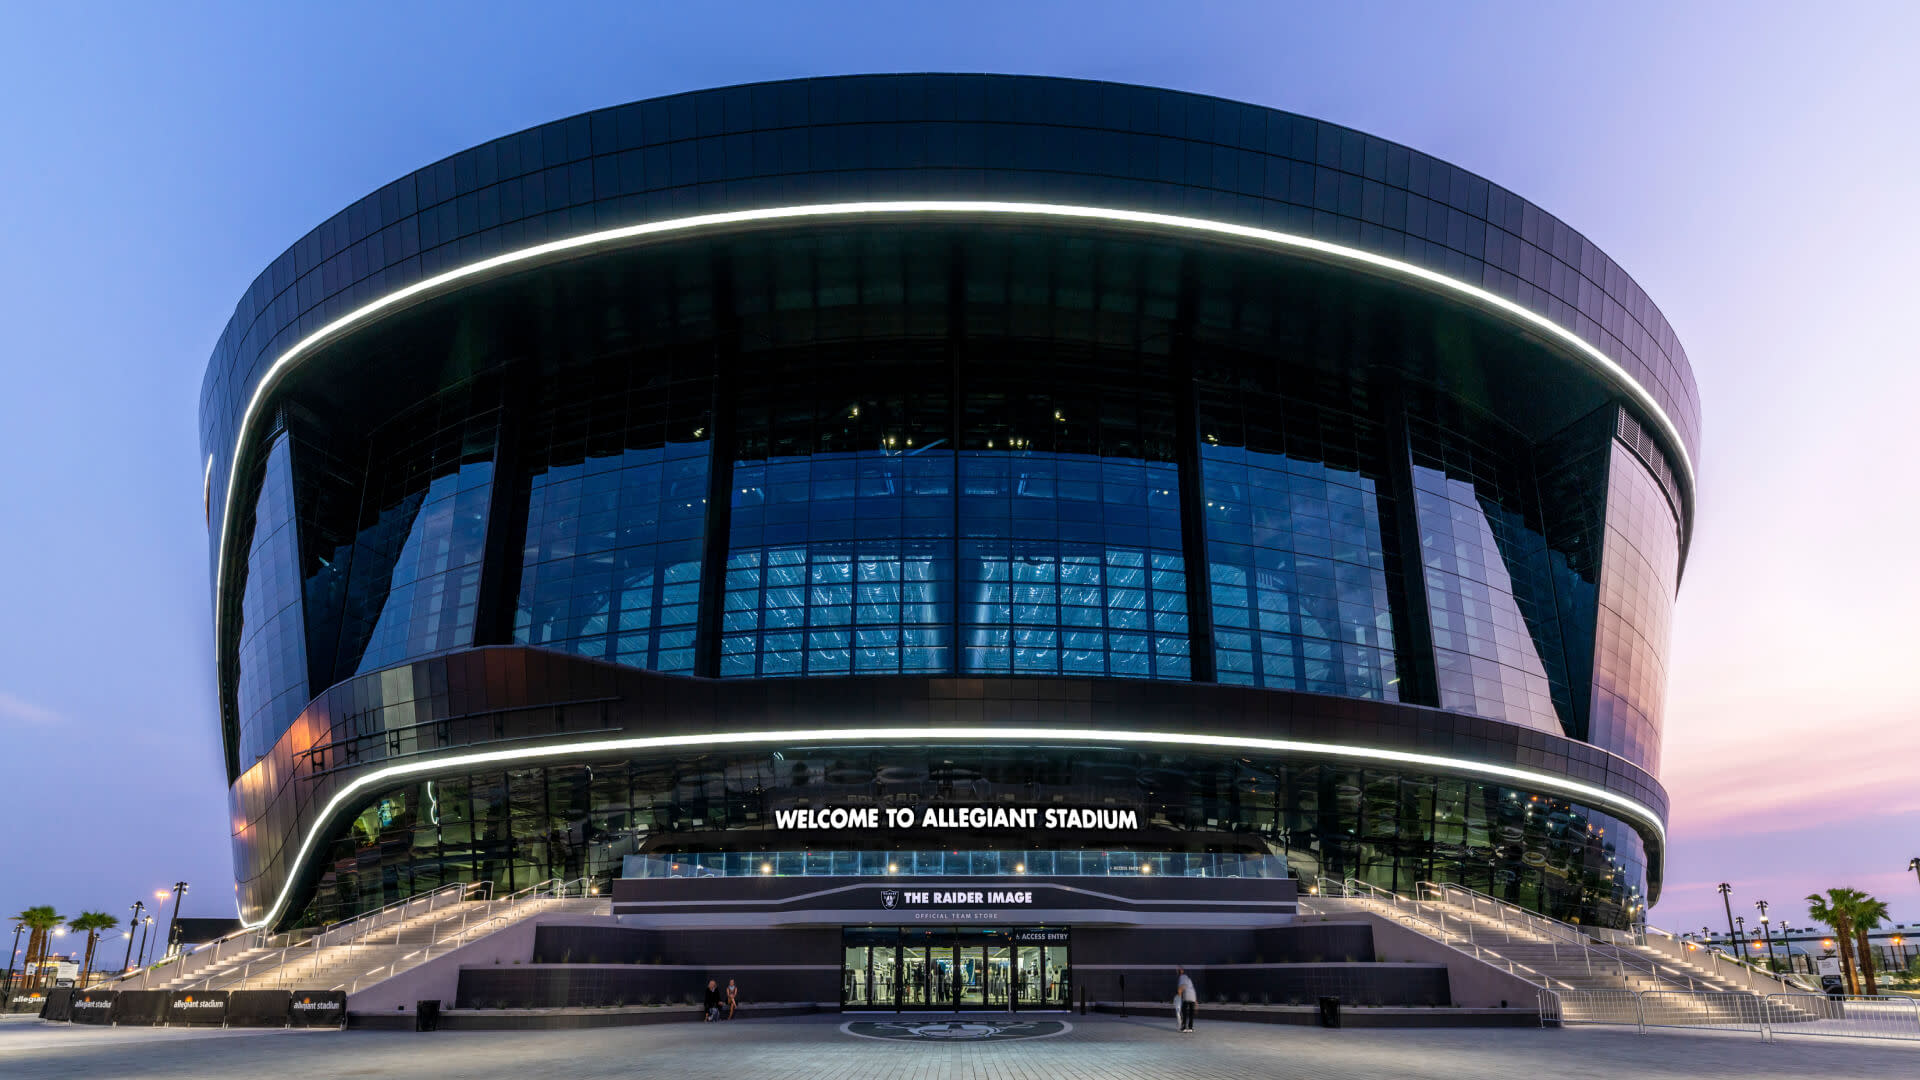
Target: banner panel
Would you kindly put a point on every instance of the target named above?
(59, 1004)
(318, 1008)
(258, 1008)
(197, 1008)
(141, 1008)
(92, 1007)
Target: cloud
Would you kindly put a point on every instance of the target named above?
(1838, 767)
(21, 712)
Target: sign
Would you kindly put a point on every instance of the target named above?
(26, 1001)
(192, 1008)
(1040, 937)
(92, 1007)
(906, 898)
(1829, 965)
(318, 1008)
(1024, 818)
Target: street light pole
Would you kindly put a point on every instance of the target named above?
(1726, 894)
(17, 927)
(1767, 931)
(1741, 950)
(138, 906)
(173, 920)
(146, 930)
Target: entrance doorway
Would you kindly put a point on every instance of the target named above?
(907, 969)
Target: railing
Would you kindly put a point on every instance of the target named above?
(1719, 965)
(445, 937)
(1429, 921)
(1599, 957)
(1769, 1016)
(1858, 1016)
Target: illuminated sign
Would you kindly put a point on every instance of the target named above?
(956, 817)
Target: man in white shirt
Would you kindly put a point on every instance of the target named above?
(1184, 995)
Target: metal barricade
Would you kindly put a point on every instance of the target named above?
(1719, 1009)
(1850, 1015)
(1600, 1007)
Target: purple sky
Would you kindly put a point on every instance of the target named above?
(1756, 171)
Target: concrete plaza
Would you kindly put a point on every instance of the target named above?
(816, 1048)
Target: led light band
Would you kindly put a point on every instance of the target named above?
(1545, 783)
(531, 256)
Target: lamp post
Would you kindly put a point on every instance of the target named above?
(1726, 899)
(1741, 938)
(1913, 864)
(138, 907)
(17, 927)
(1766, 931)
(146, 928)
(173, 920)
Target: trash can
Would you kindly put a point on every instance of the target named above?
(1330, 1012)
(426, 1016)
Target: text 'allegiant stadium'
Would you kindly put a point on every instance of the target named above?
(956, 817)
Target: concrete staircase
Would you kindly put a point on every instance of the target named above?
(1586, 973)
(375, 947)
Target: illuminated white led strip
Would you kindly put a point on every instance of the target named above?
(529, 256)
(1545, 783)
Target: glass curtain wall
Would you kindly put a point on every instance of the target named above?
(270, 684)
(1388, 827)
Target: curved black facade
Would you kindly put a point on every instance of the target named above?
(927, 440)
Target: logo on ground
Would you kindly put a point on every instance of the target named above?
(955, 1030)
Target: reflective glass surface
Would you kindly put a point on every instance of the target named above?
(615, 512)
(840, 564)
(1071, 564)
(414, 580)
(1390, 827)
(1496, 625)
(272, 685)
(1297, 557)
(1637, 583)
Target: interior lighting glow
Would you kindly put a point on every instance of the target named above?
(967, 734)
(607, 239)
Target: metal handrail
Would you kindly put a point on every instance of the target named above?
(1562, 932)
(1445, 936)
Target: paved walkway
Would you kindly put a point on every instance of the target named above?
(815, 1048)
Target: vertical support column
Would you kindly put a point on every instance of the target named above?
(1413, 635)
(957, 390)
(1193, 493)
(716, 533)
(506, 513)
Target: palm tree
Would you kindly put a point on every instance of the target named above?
(40, 922)
(1836, 910)
(91, 923)
(1868, 914)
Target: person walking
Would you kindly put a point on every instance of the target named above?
(711, 1010)
(733, 998)
(1185, 996)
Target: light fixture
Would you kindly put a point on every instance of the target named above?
(377, 779)
(554, 250)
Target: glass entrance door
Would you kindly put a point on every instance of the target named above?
(909, 969)
(973, 976)
(868, 962)
(999, 975)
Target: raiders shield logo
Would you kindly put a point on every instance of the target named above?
(889, 897)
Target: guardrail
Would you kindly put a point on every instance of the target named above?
(1771, 1016)
(1424, 920)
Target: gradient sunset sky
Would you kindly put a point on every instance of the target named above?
(1756, 168)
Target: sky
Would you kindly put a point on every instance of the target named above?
(1754, 167)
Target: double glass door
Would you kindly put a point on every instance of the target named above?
(935, 970)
